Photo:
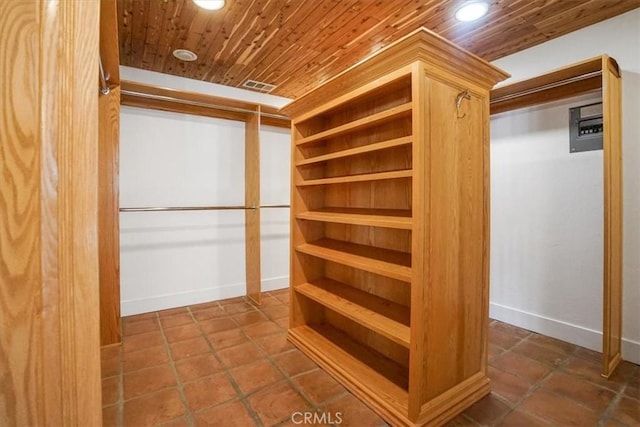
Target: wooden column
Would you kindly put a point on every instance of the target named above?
(252, 198)
(612, 139)
(108, 217)
(108, 171)
(49, 333)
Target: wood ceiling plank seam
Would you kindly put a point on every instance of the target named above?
(577, 10)
(124, 35)
(490, 51)
(578, 16)
(127, 49)
(318, 35)
(166, 27)
(218, 47)
(436, 11)
(290, 11)
(138, 20)
(232, 42)
(197, 28)
(498, 18)
(248, 45)
(191, 38)
(509, 42)
(277, 55)
(388, 37)
(251, 59)
(345, 62)
(150, 47)
(216, 68)
(185, 11)
(295, 44)
(347, 54)
(154, 22)
(204, 66)
(514, 24)
(338, 23)
(303, 61)
(195, 31)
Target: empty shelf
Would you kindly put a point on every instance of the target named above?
(397, 142)
(385, 262)
(379, 176)
(374, 119)
(361, 366)
(389, 218)
(382, 316)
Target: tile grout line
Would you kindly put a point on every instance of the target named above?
(540, 384)
(179, 383)
(536, 386)
(287, 377)
(275, 364)
(241, 397)
(120, 403)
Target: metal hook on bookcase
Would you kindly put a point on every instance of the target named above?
(461, 96)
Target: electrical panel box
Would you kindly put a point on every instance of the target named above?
(585, 128)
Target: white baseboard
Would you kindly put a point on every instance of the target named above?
(564, 331)
(180, 299)
(275, 283)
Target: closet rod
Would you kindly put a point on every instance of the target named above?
(199, 104)
(199, 208)
(548, 86)
(185, 208)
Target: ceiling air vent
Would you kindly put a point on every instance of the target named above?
(259, 86)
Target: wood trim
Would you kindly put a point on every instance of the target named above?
(108, 216)
(109, 46)
(613, 220)
(179, 101)
(70, 124)
(177, 107)
(558, 84)
(49, 340)
(252, 198)
(421, 194)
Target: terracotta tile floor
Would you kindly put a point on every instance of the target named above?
(228, 363)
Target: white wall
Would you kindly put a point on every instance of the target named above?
(275, 176)
(175, 82)
(171, 259)
(546, 247)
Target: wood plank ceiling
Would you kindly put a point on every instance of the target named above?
(297, 44)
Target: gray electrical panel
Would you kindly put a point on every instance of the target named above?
(585, 128)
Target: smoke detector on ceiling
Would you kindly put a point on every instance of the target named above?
(185, 55)
(259, 86)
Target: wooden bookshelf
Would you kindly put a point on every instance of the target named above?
(389, 228)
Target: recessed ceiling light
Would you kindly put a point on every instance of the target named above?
(185, 55)
(471, 11)
(210, 4)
